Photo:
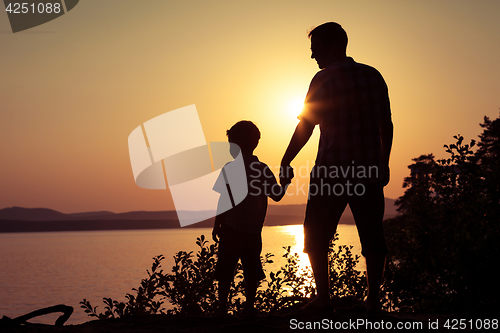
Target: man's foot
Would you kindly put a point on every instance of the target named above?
(318, 303)
(372, 306)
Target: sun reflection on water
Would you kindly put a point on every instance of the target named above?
(293, 236)
(297, 231)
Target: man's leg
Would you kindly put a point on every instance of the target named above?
(374, 273)
(323, 213)
(368, 212)
(319, 264)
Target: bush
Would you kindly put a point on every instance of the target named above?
(191, 289)
(445, 243)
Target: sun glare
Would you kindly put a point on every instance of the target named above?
(294, 106)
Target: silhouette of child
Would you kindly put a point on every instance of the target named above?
(238, 230)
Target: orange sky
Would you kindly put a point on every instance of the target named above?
(73, 89)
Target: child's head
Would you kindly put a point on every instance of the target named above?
(245, 134)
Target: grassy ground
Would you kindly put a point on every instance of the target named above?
(326, 320)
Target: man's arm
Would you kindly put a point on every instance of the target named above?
(302, 133)
(386, 134)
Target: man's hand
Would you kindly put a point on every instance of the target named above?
(386, 175)
(286, 174)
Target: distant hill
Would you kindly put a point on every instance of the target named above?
(45, 214)
(31, 214)
(18, 219)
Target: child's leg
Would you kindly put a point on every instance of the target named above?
(228, 257)
(252, 270)
(224, 286)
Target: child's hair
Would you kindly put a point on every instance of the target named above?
(245, 134)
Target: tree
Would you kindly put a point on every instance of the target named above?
(445, 242)
(418, 183)
(488, 156)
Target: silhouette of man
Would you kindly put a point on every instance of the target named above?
(349, 101)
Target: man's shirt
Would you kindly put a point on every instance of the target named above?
(349, 101)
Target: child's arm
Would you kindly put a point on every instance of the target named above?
(222, 188)
(217, 226)
(219, 218)
(217, 223)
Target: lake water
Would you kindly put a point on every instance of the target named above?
(38, 270)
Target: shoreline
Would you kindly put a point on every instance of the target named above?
(17, 226)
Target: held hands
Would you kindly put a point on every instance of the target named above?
(286, 175)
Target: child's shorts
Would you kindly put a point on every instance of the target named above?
(235, 245)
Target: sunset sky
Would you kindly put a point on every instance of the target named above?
(73, 89)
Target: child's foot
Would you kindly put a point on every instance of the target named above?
(249, 313)
(220, 313)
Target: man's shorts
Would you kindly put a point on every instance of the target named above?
(325, 207)
(235, 245)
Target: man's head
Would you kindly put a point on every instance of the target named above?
(245, 134)
(328, 43)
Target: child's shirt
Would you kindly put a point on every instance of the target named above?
(249, 214)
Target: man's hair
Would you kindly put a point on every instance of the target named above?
(245, 134)
(331, 34)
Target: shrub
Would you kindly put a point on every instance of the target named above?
(445, 243)
(191, 289)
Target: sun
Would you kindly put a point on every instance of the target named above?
(294, 106)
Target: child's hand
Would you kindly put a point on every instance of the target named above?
(286, 174)
(216, 234)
